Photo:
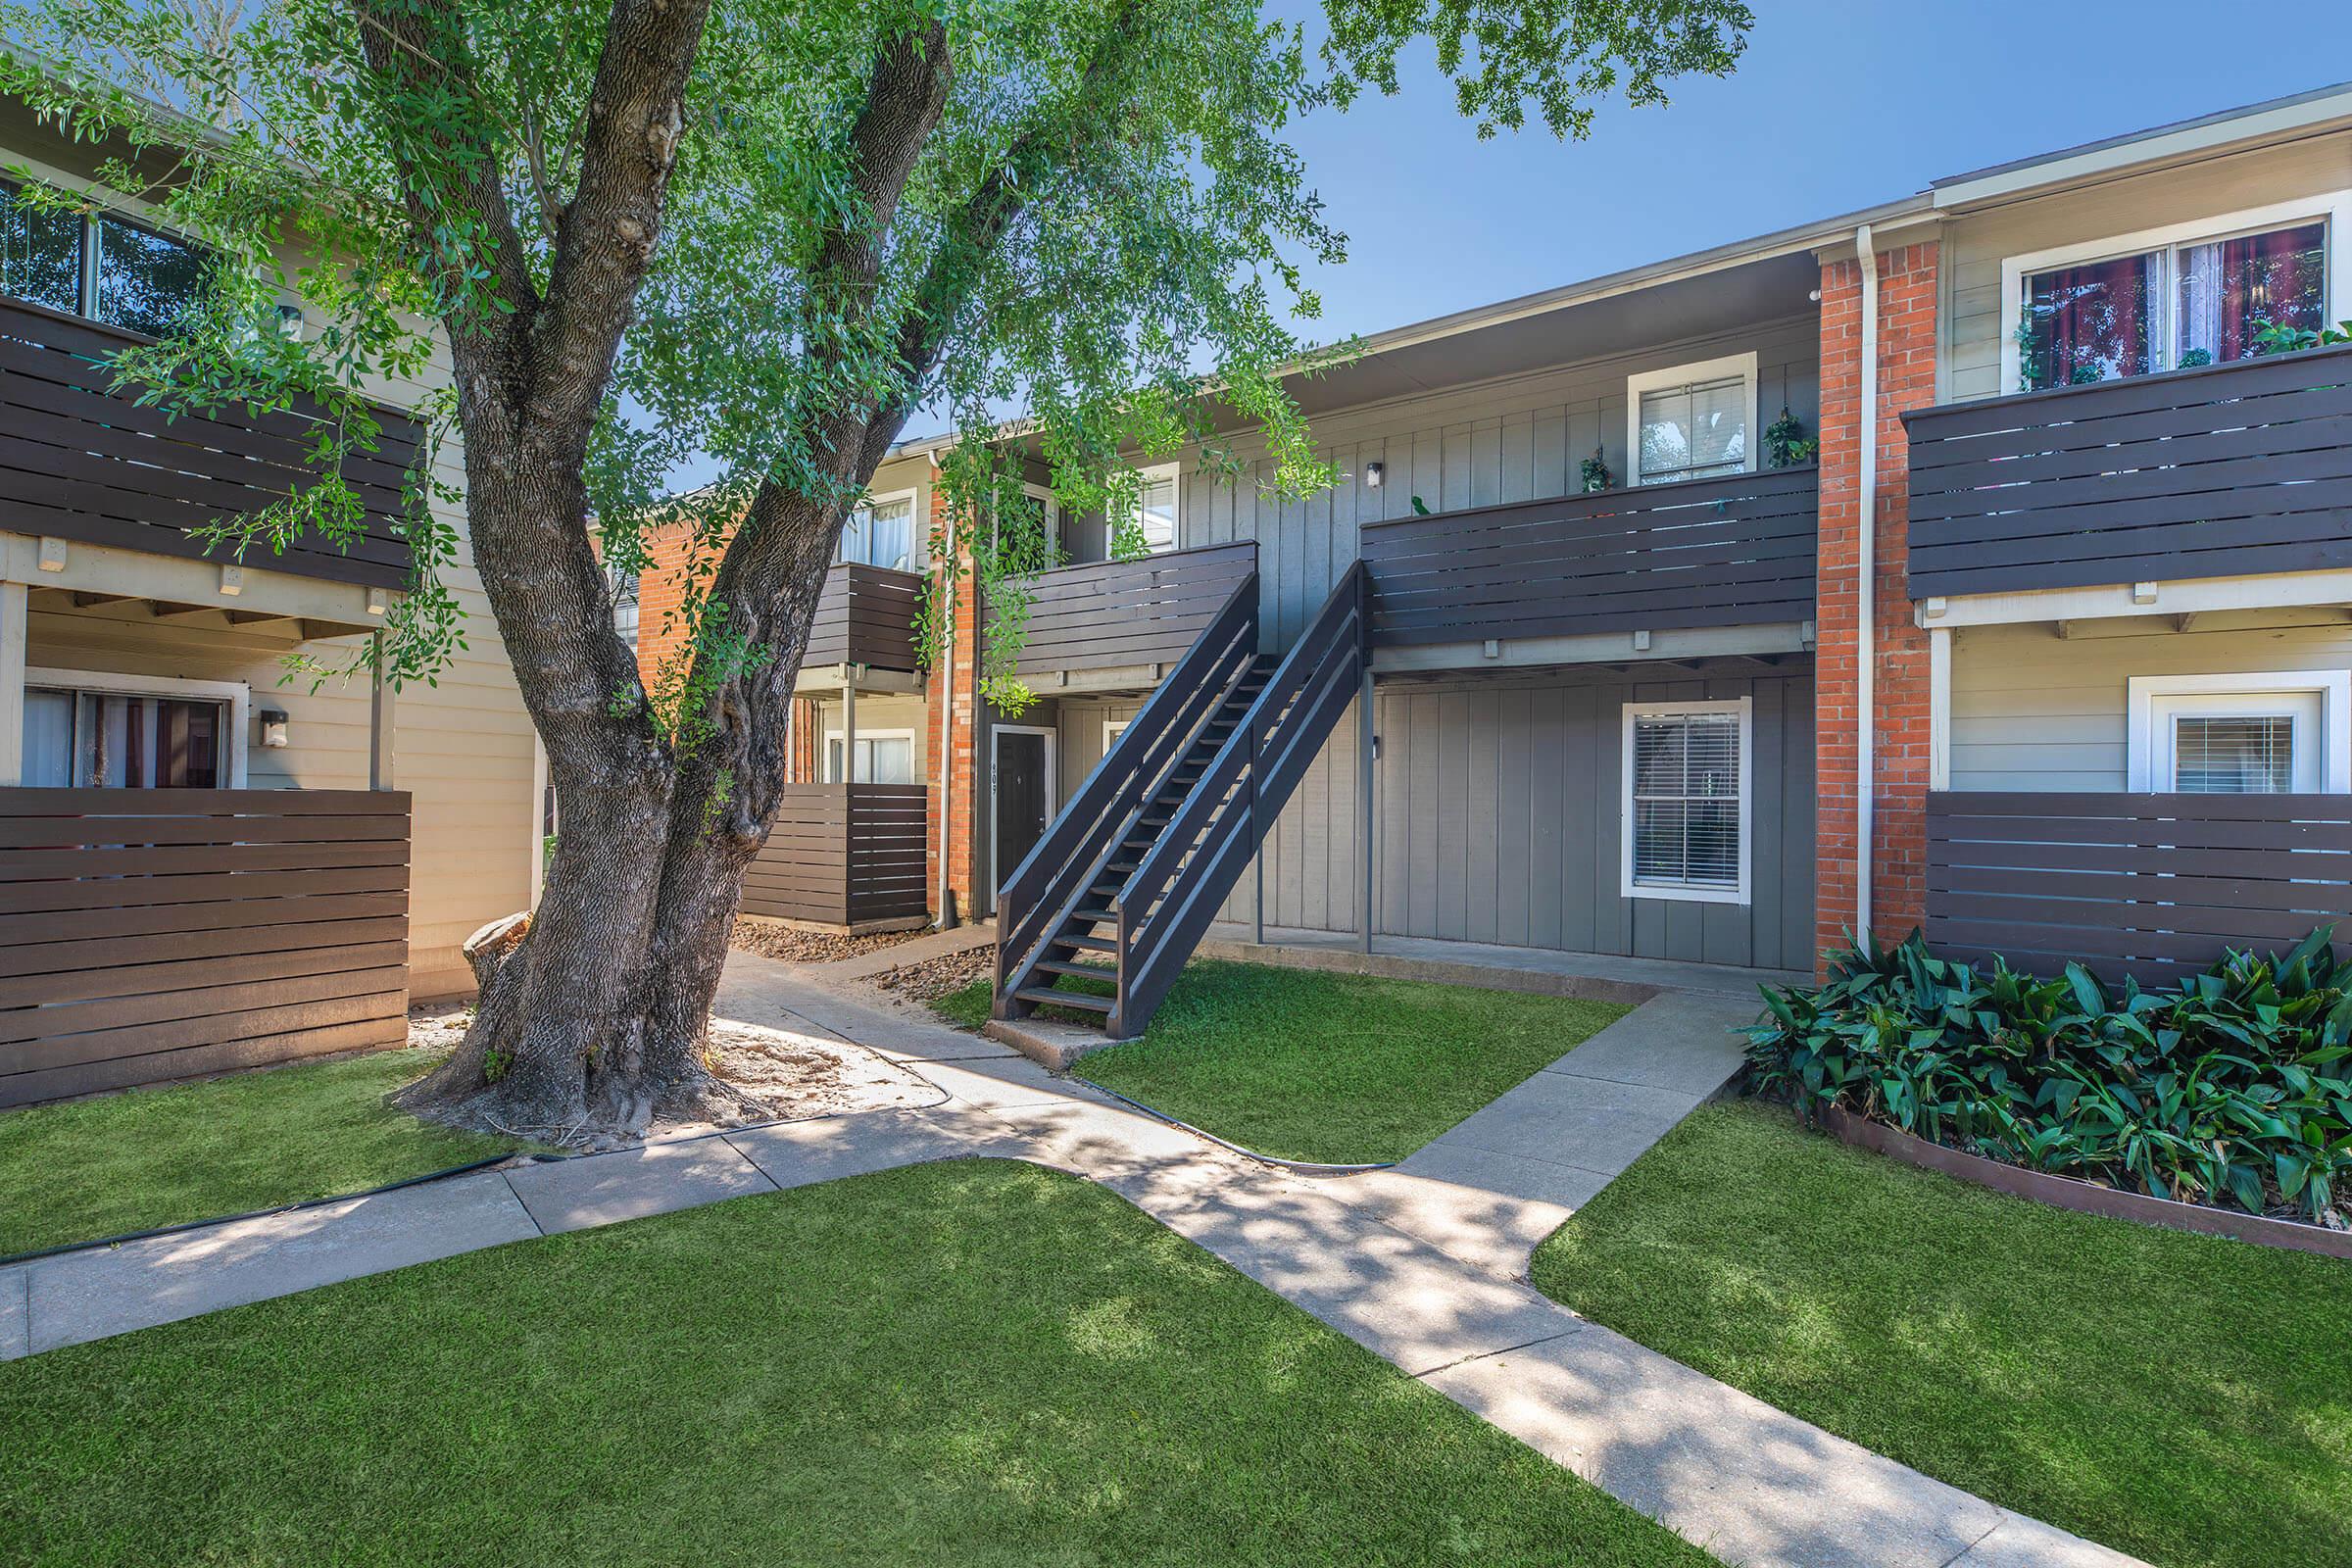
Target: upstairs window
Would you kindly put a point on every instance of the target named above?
(106, 267)
(1685, 811)
(2193, 298)
(1155, 510)
(40, 254)
(1693, 421)
(881, 533)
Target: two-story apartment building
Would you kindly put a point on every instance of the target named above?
(1591, 651)
(203, 864)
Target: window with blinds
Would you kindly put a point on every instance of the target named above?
(2233, 754)
(1687, 805)
(1693, 432)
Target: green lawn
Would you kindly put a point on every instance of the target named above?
(976, 1362)
(2183, 1398)
(90, 1168)
(1308, 1066)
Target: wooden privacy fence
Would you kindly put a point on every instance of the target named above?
(2212, 472)
(1124, 615)
(1727, 552)
(843, 854)
(83, 463)
(2148, 885)
(865, 615)
(154, 934)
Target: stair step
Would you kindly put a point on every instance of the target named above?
(1094, 917)
(1048, 996)
(1092, 971)
(1085, 944)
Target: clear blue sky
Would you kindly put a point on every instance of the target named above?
(1836, 105)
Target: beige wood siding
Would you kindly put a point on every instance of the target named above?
(1978, 319)
(2032, 711)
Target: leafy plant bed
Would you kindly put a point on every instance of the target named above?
(1334, 1069)
(2180, 1397)
(973, 1362)
(2234, 1087)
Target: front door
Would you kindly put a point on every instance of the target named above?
(1024, 794)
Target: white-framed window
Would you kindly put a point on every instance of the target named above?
(1691, 421)
(884, 757)
(1688, 801)
(1157, 502)
(1112, 729)
(880, 533)
(88, 729)
(2173, 297)
(2268, 733)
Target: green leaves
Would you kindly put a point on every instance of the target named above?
(2233, 1086)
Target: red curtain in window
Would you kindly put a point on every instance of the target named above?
(2276, 277)
(2091, 319)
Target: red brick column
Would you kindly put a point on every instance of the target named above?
(958, 769)
(1897, 857)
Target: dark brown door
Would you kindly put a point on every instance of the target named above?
(1023, 805)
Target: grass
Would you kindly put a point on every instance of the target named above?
(2183, 1398)
(1343, 1069)
(91, 1168)
(974, 1362)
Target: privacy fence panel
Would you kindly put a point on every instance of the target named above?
(1122, 615)
(148, 935)
(2155, 886)
(843, 854)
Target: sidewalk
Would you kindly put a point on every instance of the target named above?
(1422, 1264)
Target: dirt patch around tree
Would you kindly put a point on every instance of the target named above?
(795, 1076)
(788, 945)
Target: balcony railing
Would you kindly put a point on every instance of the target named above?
(2220, 471)
(1127, 614)
(865, 615)
(83, 464)
(842, 854)
(1728, 552)
(147, 935)
(2154, 885)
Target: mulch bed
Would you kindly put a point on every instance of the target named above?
(788, 945)
(932, 978)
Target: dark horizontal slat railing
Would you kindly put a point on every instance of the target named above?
(148, 935)
(2219, 471)
(1124, 615)
(1729, 552)
(843, 854)
(85, 463)
(865, 615)
(2155, 886)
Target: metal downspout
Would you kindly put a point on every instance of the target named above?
(1866, 599)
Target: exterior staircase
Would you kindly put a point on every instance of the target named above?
(1102, 916)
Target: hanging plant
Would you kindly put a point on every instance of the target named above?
(1596, 472)
(1784, 441)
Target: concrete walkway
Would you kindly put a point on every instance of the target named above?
(1424, 1264)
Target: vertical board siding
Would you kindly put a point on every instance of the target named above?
(1496, 808)
(1519, 440)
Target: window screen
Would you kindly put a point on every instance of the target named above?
(1686, 815)
(1693, 432)
(2233, 754)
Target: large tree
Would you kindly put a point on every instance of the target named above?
(761, 234)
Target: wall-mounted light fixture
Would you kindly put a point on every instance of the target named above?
(1374, 473)
(273, 726)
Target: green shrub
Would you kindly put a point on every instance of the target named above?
(2234, 1086)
